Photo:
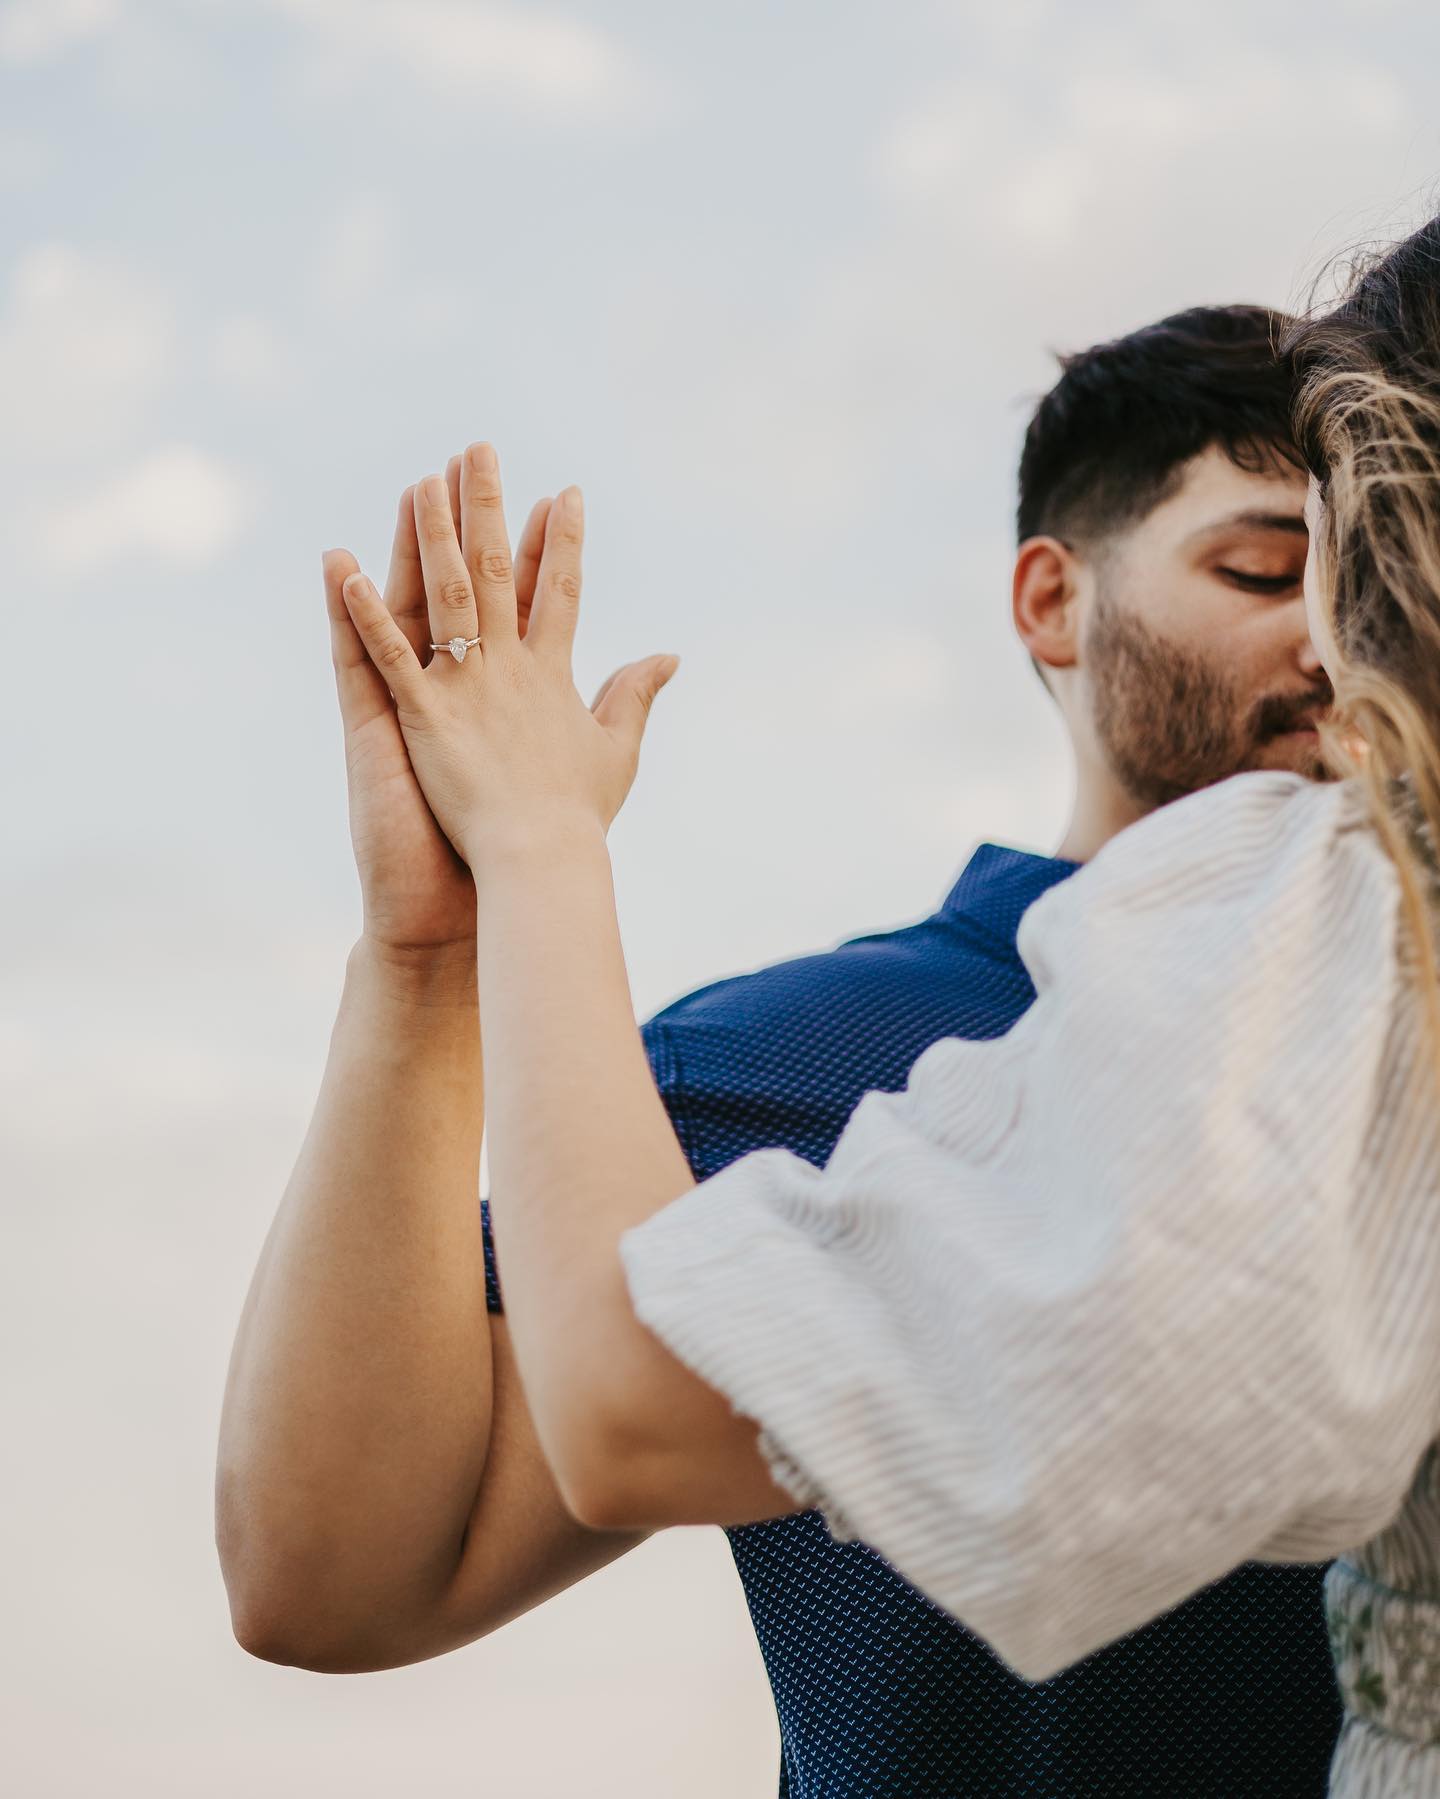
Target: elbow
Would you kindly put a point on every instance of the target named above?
(278, 1621)
(270, 1636)
(606, 1479)
(597, 1497)
(289, 1649)
(271, 1593)
(270, 1621)
(294, 1606)
(600, 1504)
(299, 1636)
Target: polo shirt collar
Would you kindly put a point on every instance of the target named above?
(998, 886)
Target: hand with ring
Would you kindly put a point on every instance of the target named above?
(418, 895)
(502, 745)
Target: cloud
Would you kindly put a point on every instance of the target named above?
(90, 350)
(525, 58)
(82, 340)
(1010, 216)
(37, 31)
(179, 505)
(1108, 142)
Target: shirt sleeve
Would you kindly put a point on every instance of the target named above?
(1092, 1313)
(664, 1067)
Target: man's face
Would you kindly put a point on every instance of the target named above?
(1195, 645)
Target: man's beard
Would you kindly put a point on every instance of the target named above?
(1170, 721)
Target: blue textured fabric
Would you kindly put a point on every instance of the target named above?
(880, 1695)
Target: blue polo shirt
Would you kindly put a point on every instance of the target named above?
(881, 1695)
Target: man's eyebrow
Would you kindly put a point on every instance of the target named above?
(1291, 522)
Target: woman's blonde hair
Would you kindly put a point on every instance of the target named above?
(1368, 422)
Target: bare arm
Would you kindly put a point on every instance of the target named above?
(357, 1412)
(526, 779)
(633, 1435)
(380, 1494)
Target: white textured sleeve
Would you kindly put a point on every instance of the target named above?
(1091, 1314)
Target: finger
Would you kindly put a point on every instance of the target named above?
(361, 692)
(386, 644)
(557, 591)
(486, 545)
(405, 583)
(527, 562)
(624, 708)
(449, 597)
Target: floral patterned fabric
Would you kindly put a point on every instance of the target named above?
(1382, 1606)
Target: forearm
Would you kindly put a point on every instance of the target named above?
(357, 1410)
(581, 1149)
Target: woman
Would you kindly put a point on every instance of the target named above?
(1090, 1314)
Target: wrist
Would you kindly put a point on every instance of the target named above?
(531, 845)
(425, 975)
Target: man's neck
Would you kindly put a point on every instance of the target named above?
(1098, 815)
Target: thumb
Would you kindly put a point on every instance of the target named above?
(623, 703)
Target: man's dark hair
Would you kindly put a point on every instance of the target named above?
(1109, 441)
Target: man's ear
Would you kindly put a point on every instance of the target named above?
(1044, 600)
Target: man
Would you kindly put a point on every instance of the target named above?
(1158, 589)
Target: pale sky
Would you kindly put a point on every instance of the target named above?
(777, 284)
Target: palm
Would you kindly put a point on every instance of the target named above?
(418, 893)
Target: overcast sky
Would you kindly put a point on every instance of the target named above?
(776, 283)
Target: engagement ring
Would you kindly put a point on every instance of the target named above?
(457, 646)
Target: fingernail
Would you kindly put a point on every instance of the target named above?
(574, 503)
(356, 587)
(436, 492)
(482, 459)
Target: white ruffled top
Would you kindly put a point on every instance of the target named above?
(1090, 1314)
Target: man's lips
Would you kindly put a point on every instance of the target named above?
(1307, 724)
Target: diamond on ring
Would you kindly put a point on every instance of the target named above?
(457, 646)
